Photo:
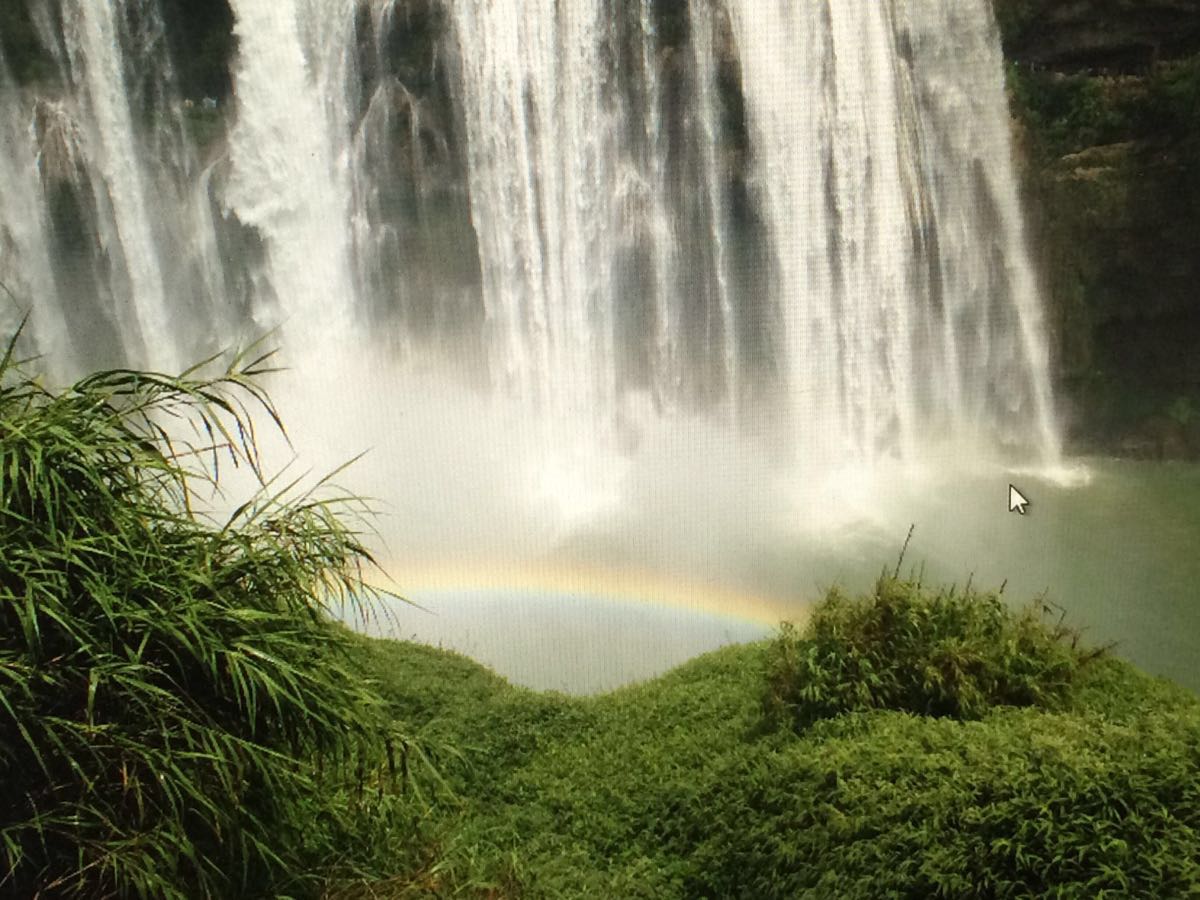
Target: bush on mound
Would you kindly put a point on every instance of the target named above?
(908, 648)
(169, 684)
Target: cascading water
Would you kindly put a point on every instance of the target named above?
(611, 214)
(288, 176)
(113, 194)
(547, 180)
(883, 170)
(26, 266)
(906, 307)
(704, 44)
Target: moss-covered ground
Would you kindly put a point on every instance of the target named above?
(687, 786)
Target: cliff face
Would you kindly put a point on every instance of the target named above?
(1106, 94)
(1124, 35)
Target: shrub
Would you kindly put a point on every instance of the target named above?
(168, 683)
(907, 648)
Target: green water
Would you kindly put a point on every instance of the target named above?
(1120, 553)
(1115, 544)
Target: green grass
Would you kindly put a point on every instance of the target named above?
(691, 785)
(936, 653)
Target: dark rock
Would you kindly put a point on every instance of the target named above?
(1099, 35)
(1158, 437)
(1191, 431)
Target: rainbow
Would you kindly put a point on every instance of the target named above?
(584, 582)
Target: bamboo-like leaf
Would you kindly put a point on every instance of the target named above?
(159, 665)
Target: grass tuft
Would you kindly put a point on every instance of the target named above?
(930, 652)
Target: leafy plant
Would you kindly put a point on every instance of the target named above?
(938, 653)
(171, 688)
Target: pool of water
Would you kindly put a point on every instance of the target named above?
(1115, 543)
(1120, 553)
(562, 641)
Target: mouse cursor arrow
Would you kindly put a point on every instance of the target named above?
(1016, 500)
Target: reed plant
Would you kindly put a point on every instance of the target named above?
(943, 652)
(173, 693)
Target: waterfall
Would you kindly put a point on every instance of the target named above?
(288, 177)
(105, 183)
(93, 49)
(714, 187)
(613, 214)
(884, 172)
(548, 175)
(26, 264)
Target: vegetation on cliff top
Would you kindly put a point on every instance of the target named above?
(1111, 159)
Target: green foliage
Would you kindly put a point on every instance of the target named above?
(1070, 112)
(1023, 803)
(673, 789)
(1015, 18)
(178, 718)
(1113, 179)
(937, 653)
(171, 690)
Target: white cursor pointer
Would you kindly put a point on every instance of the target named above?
(1016, 500)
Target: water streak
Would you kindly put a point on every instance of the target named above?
(902, 279)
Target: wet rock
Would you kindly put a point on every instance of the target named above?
(1099, 35)
(1158, 438)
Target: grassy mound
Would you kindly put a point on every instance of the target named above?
(169, 685)
(1022, 803)
(684, 787)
